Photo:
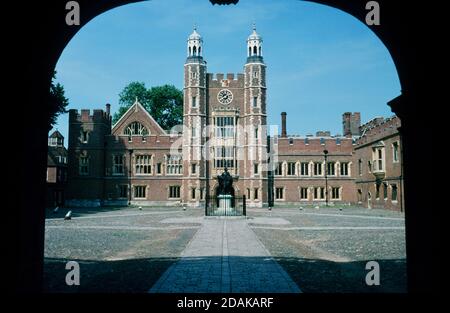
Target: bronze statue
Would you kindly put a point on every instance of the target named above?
(225, 183)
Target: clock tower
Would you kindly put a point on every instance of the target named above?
(224, 126)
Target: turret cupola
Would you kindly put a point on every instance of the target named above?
(254, 47)
(194, 46)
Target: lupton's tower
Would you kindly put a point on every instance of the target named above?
(195, 112)
(234, 108)
(255, 119)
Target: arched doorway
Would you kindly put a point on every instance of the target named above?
(51, 36)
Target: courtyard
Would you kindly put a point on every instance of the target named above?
(171, 249)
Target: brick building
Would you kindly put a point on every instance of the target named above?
(56, 170)
(302, 175)
(135, 161)
(379, 178)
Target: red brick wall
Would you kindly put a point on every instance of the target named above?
(387, 133)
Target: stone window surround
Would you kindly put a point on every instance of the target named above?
(320, 188)
(136, 190)
(114, 165)
(150, 164)
(397, 142)
(84, 136)
(179, 166)
(174, 188)
(83, 165)
(119, 187)
(339, 191)
(283, 193)
(308, 192)
(310, 168)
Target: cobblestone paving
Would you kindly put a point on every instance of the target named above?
(225, 256)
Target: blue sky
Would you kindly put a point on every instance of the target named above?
(321, 62)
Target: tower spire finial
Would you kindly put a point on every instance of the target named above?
(195, 26)
(254, 25)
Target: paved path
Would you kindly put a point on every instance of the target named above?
(225, 255)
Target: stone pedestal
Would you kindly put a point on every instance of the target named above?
(225, 205)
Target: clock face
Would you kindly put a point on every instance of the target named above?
(225, 96)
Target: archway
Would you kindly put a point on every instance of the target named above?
(52, 35)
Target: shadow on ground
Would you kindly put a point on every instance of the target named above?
(123, 276)
(321, 276)
(139, 275)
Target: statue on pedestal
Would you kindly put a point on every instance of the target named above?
(225, 183)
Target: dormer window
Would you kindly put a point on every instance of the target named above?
(136, 129)
(53, 142)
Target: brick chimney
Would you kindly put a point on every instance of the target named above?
(108, 109)
(346, 122)
(355, 123)
(283, 124)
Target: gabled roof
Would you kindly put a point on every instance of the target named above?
(56, 134)
(134, 109)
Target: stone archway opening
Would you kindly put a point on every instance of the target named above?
(54, 36)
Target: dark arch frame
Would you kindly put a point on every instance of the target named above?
(47, 35)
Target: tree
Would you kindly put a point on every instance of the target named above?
(57, 102)
(131, 92)
(164, 103)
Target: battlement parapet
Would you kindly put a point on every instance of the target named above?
(85, 116)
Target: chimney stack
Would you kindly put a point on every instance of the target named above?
(355, 123)
(351, 123)
(108, 109)
(346, 117)
(283, 124)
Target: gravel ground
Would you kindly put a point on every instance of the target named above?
(322, 260)
(113, 260)
(128, 249)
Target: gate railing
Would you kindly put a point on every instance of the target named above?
(233, 206)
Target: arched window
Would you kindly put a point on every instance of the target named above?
(199, 50)
(249, 51)
(254, 50)
(194, 50)
(136, 129)
(259, 50)
(189, 51)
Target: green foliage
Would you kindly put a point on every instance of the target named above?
(164, 103)
(57, 102)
